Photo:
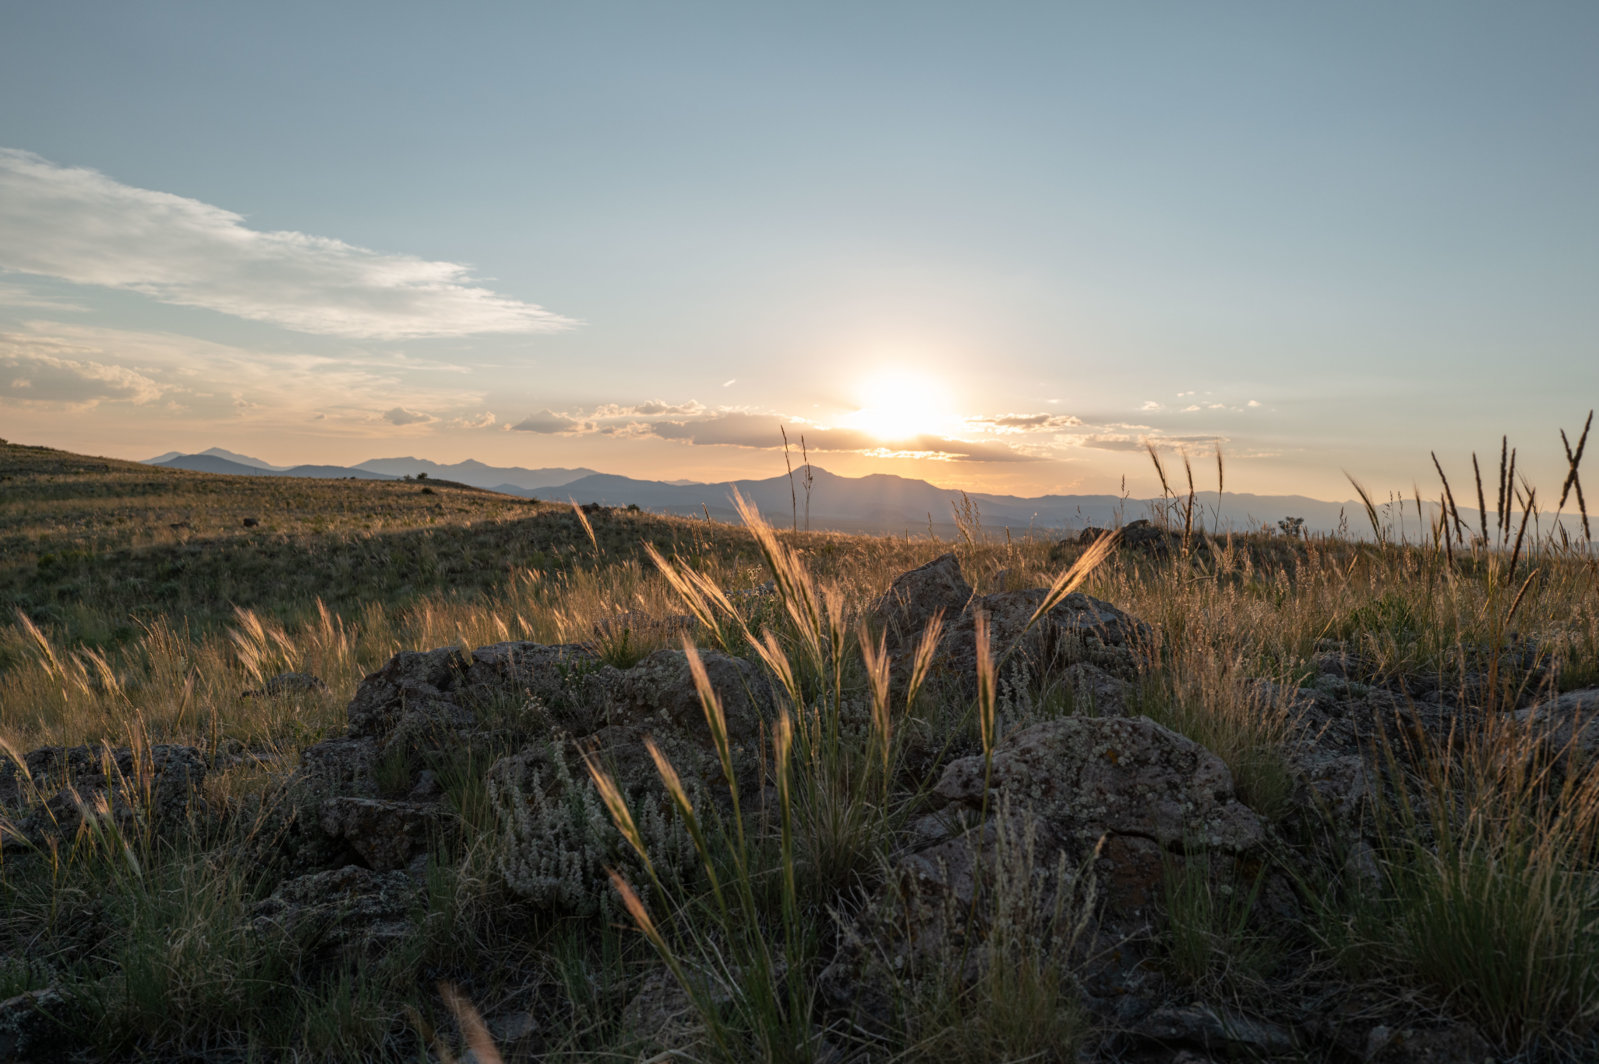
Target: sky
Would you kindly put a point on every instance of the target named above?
(998, 246)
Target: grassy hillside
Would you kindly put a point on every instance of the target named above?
(829, 855)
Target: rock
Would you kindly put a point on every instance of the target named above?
(1089, 812)
(411, 684)
(1566, 724)
(1443, 1042)
(1225, 1031)
(340, 766)
(346, 915)
(1336, 786)
(155, 788)
(664, 1013)
(36, 1025)
(1086, 777)
(386, 834)
(288, 683)
(661, 689)
(1079, 628)
(566, 688)
(937, 588)
(1143, 537)
(1095, 692)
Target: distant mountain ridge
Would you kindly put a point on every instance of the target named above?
(878, 503)
(477, 473)
(210, 463)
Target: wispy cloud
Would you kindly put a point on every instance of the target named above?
(1122, 441)
(1006, 423)
(79, 225)
(695, 424)
(15, 295)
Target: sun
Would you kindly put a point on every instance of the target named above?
(898, 405)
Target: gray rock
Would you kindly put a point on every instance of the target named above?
(1095, 692)
(36, 1026)
(156, 788)
(1086, 777)
(340, 766)
(1224, 1031)
(939, 587)
(411, 682)
(386, 834)
(1566, 724)
(346, 915)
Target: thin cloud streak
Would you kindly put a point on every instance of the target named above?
(79, 225)
(695, 424)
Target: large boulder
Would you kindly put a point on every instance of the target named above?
(938, 588)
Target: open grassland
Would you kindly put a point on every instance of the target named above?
(836, 859)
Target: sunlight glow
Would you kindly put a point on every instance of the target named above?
(901, 405)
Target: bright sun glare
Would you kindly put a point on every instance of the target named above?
(898, 405)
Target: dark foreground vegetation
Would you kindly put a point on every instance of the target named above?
(399, 774)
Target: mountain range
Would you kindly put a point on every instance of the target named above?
(878, 503)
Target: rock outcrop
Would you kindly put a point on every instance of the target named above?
(151, 789)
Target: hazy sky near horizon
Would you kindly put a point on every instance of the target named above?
(995, 246)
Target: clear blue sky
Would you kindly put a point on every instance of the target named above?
(991, 245)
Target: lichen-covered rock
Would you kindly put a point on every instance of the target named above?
(386, 834)
(36, 1026)
(155, 788)
(1095, 692)
(1086, 777)
(340, 766)
(566, 686)
(344, 915)
(412, 682)
(660, 690)
(937, 588)
(1079, 628)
